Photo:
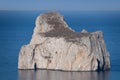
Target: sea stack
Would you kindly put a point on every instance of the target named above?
(54, 45)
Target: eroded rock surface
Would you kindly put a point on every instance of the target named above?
(54, 45)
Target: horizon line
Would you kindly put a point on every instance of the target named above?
(59, 10)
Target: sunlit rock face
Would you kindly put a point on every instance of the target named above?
(54, 45)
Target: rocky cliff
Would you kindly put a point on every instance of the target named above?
(54, 45)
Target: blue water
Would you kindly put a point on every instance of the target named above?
(16, 28)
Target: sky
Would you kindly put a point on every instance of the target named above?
(77, 5)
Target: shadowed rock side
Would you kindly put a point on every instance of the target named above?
(54, 45)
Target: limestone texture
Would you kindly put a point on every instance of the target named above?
(54, 45)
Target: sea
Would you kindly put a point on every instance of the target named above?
(16, 29)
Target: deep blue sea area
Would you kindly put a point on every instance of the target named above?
(16, 28)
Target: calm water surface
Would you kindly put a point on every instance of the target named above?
(16, 28)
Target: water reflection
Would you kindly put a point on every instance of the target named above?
(60, 75)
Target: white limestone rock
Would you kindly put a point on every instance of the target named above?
(84, 31)
(54, 45)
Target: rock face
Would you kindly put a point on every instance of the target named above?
(54, 45)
